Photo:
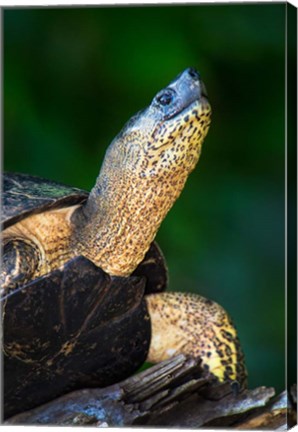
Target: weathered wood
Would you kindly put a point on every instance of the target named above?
(155, 389)
(278, 414)
(203, 410)
(174, 393)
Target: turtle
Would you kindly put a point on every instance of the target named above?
(83, 280)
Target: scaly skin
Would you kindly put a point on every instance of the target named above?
(147, 186)
(193, 325)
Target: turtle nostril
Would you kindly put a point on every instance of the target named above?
(193, 74)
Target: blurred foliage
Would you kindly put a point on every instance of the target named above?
(73, 77)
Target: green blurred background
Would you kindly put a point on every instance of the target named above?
(73, 77)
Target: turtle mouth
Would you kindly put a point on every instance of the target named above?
(182, 121)
(192, 109)
(201, 101)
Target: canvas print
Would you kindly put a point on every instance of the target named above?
(148, 207)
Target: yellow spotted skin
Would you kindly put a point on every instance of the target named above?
(156, 168)
(193, 325)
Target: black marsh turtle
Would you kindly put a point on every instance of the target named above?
(82, 278)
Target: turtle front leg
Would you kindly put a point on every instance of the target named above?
(20, 261)
(193, 325)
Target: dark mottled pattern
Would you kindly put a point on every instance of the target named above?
(73, 328)
(24, 195)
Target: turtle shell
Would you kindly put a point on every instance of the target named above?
(76, 326)
(24, 195)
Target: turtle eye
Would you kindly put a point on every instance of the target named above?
(165, 98)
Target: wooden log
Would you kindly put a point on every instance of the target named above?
(157, 388)
(174, 393)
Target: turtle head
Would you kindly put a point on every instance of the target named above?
(167, 136)
(143, 173)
